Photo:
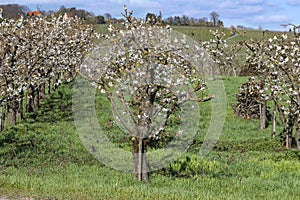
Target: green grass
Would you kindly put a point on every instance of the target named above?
(43, 157)
(200, 33)
(203, 33)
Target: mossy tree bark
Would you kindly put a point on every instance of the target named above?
(29, 100)
(2, 117)
(20, 111)
(274, 120)
(36, 98)
(139, 147)
(263, 106)
(12, 113)
(298, 133)
(42, 91)
(288, 132)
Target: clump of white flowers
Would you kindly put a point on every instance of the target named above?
(152, 77)
(277, 60)
(225, 56)
(37, 52)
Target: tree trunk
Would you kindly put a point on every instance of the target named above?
(20, 114)
(298, 133)
(2, 117)
(55, 84)
(42, 91)
(274, 121)
(12, 113)
(288, 132)
(233, 70)
(49, 86)
(139, 159)
(36, 98)
(262, 105)
(29, 100)
(262, 115)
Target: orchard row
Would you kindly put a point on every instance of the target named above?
(36, 56)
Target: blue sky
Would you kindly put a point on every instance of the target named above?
(268, 14)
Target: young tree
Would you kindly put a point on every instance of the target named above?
(150, 76)
(258, 57)
(277, 62)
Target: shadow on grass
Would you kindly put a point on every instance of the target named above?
(46, 136)
(57, 107)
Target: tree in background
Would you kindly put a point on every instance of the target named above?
(100, 19)
(185, 20)
(107, 16)
(177, 20)
(13, 11)
(151, 18)
(277, 62)
(72, 12)
(226, 60)
(169, 20)
(214, 17)
(294, 28)
(220, 24)
(160, 17)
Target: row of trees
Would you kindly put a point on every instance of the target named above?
(87, 16)
(148, 74)
(278, 60)
(37, 55)
(275, 61)
(14, 11)
(188, 21)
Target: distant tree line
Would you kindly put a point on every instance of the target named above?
(185, 20)
(89, 17)
(15, 11)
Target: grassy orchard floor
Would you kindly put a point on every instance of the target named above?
(43, 158)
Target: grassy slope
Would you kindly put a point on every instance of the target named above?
(43, 157)
(203, 33)
(246, 163)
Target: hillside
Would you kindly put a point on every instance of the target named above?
(43, 157)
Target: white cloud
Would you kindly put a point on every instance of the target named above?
(271, 19)
(252, 2)
(227, 5)
(293, 2)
